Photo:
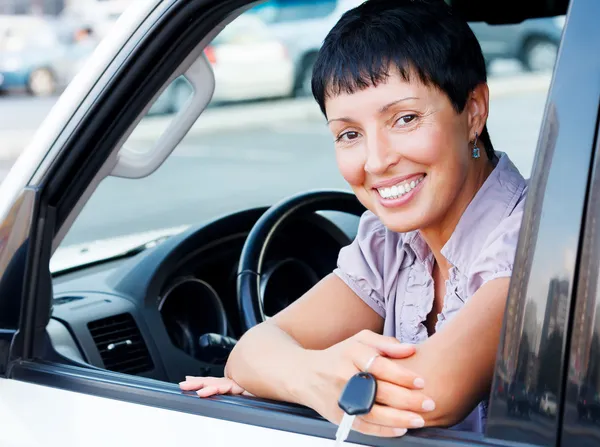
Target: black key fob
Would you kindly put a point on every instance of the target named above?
(359, 393)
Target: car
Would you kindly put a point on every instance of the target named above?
(301, 26)
(34, 56)
(532, 42)
(588, 405)
(548, 404)
(97, 325)
(249, 64)
(518, 400)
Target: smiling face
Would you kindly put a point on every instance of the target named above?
(406, 152)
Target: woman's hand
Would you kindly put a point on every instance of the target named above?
(209, 386)
(398, 401)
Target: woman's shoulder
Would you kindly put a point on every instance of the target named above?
(374, 246)
(373, 236)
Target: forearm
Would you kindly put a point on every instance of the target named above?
(454, 393)
(269, 363)
(457, 363)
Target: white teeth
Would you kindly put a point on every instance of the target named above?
(399, 190)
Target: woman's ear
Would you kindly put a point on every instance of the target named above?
(477, 109)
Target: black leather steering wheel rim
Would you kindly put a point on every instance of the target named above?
(255, 247)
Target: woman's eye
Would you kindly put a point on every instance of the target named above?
(406, 119)
(348, 136)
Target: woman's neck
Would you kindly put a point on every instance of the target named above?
(437, 235)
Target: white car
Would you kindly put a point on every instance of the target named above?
(248, 63)
(94, 337)
(302, 26)
(548, 404)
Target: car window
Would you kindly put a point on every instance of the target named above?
(263, 137)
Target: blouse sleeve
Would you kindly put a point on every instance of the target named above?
(497, 256)
(361, 264)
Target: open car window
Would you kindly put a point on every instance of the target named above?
(263, 137)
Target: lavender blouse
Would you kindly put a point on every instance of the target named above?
(392, 272)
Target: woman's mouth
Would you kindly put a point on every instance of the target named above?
(401, 189)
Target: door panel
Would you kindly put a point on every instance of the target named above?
(528, 386)
(96, 421)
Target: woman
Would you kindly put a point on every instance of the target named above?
(418, 297)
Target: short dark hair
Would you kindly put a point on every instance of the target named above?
(422, 37)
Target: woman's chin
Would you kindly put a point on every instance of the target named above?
(399, 222)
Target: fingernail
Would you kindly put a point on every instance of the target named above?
(417, 422)
(183, 383)
(419, 383)
(188, 377)
(206, 392)
(428, 405)
(399, 431)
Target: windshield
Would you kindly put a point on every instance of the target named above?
(263, 137)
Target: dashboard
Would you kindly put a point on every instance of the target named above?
(172, 310)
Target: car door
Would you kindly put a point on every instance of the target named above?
(47, 401)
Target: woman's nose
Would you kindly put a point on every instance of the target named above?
(380, 155)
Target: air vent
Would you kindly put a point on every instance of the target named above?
(121, 345)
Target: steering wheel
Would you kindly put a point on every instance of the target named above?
(252, 258)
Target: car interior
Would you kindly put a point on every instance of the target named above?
(175, 304)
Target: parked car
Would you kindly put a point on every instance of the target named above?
(34, 57)
(518, 400)
(588, 405)
(548, 404)
(248, 63)
(302, 26)
(90, 354)
(533, 42)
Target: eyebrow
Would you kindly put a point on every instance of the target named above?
(381, 111)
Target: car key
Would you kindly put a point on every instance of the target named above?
(357, 399)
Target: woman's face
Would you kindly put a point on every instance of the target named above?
(404, 150)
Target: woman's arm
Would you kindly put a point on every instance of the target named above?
(458, 362)
(268, 359)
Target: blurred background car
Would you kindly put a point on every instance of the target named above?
(588, 404)
(548, 404)
(302, 26)
(517, 401)
(533, 42)
(249, 63)
(40, 55)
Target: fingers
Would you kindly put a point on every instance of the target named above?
(403, 398)
(387, 346)
(393, 418)
(369, 428)
(209, 386)
(193, 383)
(385, 369)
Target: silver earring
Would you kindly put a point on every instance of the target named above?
(476, 152)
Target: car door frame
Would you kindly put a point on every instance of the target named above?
(76, 158)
